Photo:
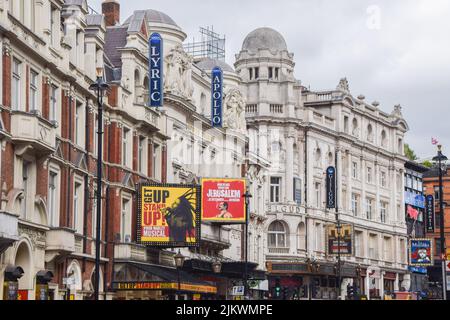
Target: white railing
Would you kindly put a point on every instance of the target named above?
(276, 108)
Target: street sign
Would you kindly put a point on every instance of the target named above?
(238, 291)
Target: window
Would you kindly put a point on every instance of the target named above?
(355, 129)
(155, 161)
(33, 89)
(415, 183)
(369, 208)
(345, 124)
(53, 116)
(383, 139)
(21, 11)
(125, 220)
(402, 254)
(318, 238)
(383, 211)
(53, 25)
(369, 133)
(387, 254)
(437, 193)
(78, 207)
(373, 245)
(16, 102)
(141, 152)
(250, 73)
(270, 73)
(277, 235)
(369, 175)
(25, 185)
(277, 71)
(317, 191)
(125, 147)
(383, 179)
(355, 170)
(256, 73)
(355, 204)
(79, 124)
(275, 188)
(52, 198)
(359, 246)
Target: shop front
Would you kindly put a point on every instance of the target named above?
(133, 281)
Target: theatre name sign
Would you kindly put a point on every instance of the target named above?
(283, 208)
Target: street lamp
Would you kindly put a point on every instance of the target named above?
(179, 262)
(217, 268)
(439, 159)
(99, 87)
(247, 197)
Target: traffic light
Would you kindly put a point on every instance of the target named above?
(350, 291)
(277, 289)
(285, 293)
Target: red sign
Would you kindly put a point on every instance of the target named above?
(22, 295)
(223, 201)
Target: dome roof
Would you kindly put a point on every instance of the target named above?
(264, 38)
(208, 64)
(153, 16)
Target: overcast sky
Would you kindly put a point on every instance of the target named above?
(395, 52)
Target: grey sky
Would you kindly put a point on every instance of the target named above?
(395, 52)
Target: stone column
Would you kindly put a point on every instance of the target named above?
(382, 284)
(367, 287)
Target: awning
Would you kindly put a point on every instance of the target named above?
(135, 276)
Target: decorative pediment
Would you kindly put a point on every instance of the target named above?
(128, 181)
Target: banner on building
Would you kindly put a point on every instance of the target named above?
(216, 97)
(168, 215)
(429, 213)
(421, 252)
(416, 200)
(223, 201)
(343, 244)
(331, 187)
(156, 63)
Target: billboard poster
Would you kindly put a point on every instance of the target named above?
(331, 187)
(168, 215)
(429, 213)
(223, 201)
(156, 62)
(216, 97)
(343, 245)
(421, 252)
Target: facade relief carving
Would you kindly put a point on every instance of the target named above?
(234, 113)
(178, 78)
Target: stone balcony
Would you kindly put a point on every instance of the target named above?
(32, 131)
(59, 241)
(8, 230)
(130, 252)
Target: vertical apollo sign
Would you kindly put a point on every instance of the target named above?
(155, 44)
(216, 97)
(331, 187)
(429, 213)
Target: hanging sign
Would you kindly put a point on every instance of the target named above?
(331, 187)
(168, 215)
(216, 97)
(155, 70)
(429, 213)
(421, 252)
(340, 241)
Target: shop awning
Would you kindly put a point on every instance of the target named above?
(135, 276)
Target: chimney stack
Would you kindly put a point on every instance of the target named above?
(111, 11)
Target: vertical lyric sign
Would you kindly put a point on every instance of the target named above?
(155, 70)
(216, 97)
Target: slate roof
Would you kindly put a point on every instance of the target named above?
(115, 38)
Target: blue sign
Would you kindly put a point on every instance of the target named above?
(429, 213)
(416, 200)
(155, 44)
(331, 188)
(421, 252)
(216, 96)
(421, 270)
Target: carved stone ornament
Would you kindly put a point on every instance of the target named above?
(234, 112)
(397, 112)
(178, 78)
(343, 85)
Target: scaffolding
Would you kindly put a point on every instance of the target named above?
(212, 45)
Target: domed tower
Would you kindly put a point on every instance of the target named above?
(266, 68)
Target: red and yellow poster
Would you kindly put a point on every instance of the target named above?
(168, 215)
(223, 201)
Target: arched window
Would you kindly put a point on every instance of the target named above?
(400, 146)
(137, 86)
(301, 236)
(330, 158)
(355, 127)
(277, 235)
(369, 133)
(318, 155)
(383, 138)
(146, 92)
(203, 104)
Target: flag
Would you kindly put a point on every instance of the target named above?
(413, 213)
(434, 141)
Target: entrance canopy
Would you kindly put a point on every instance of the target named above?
(136, 276)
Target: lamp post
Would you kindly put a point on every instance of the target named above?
(179, 262)
(99, 87)
(439, 159)
(217, 268)
(247, 197)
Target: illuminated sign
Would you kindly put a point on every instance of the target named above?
(223, 201)
(156, 70)
(168, 215)
(416, 200)
(429, 213)
(421, 252)
(216, 97)
(163, 286)
(331, 187)
(343, 245)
